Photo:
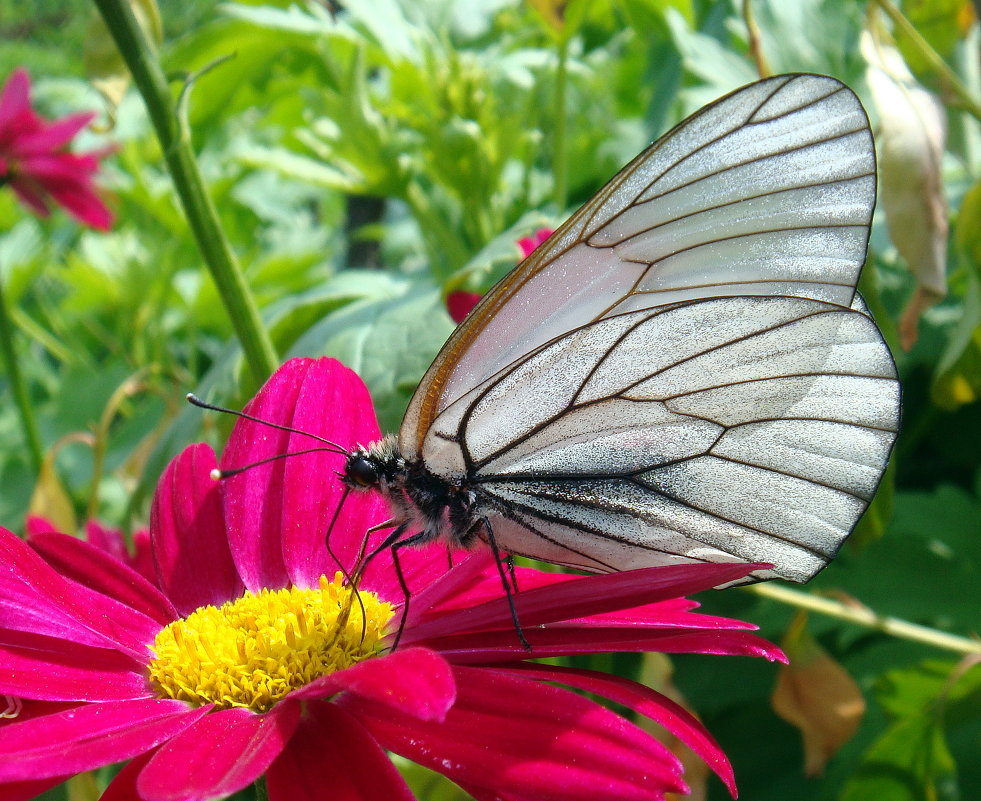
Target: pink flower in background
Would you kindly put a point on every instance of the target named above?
(244, 654)
(459, 303)
(529, 244)
(35, 162)
(137, 555)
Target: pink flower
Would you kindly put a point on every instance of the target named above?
(106, 539)
(110, 666)
(459, 303)
(34, 161)
(529, 244)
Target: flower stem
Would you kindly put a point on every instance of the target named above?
(261, 791)
(559, 163)
(755, 42)
(172, 131)
(868, 619)
(18, 387)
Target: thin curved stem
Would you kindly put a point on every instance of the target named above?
(171, 128)
(18, 387)
(866, 618)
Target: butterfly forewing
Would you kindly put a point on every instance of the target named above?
(683, 370)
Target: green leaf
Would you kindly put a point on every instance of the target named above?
(388, 341)
(933, 534)
(952, 686)
(910, 762)
(941, 22)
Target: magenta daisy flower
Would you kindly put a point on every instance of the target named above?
(245, 655)
(35, 162)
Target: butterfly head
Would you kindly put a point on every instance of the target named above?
(373, 466)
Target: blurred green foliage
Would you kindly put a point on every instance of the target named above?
(366, 160)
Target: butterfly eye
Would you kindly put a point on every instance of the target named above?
(361, 471)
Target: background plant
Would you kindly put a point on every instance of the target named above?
(365, 161)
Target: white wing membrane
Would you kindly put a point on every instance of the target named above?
(684, 372)
(767, 191)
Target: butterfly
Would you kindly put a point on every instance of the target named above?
(683, 372)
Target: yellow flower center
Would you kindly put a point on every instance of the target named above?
(253, 651)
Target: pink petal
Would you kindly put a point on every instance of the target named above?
(528, 740)
(31, 195)
(35, 524)
(83, 202)
(123, 785)
(454, 583)
(460, 304)
(588, 595)
(53, 169)
(56, 134)
(218, 755)
(414, 681)
(89, 736)
(187, 531)
(675, 718)
(30, 789)
(32, 594)
(489, 647)
(333, 758)
(142, 558)
(15, 99)
(278, 513)
(112, 542)
(422, 568)
(51, 669)
(94, 568)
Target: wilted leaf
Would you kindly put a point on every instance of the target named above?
(816, 694)
(83, 787)
(910, 141)
(50, 499)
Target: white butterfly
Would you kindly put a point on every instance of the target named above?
(682, 372)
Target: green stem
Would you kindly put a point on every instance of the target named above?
(868, 619)
(171, 128)
(18, 387)
(559, 166)
(933, 58)
(261, 791)
(755, 42)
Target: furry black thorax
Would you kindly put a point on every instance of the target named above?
(417, 498)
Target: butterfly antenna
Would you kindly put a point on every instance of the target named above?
(217, 474)
(194, 400)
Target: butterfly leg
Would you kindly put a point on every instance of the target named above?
(415, 539)
(344, 572)
(484, 522)
(509, 561)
